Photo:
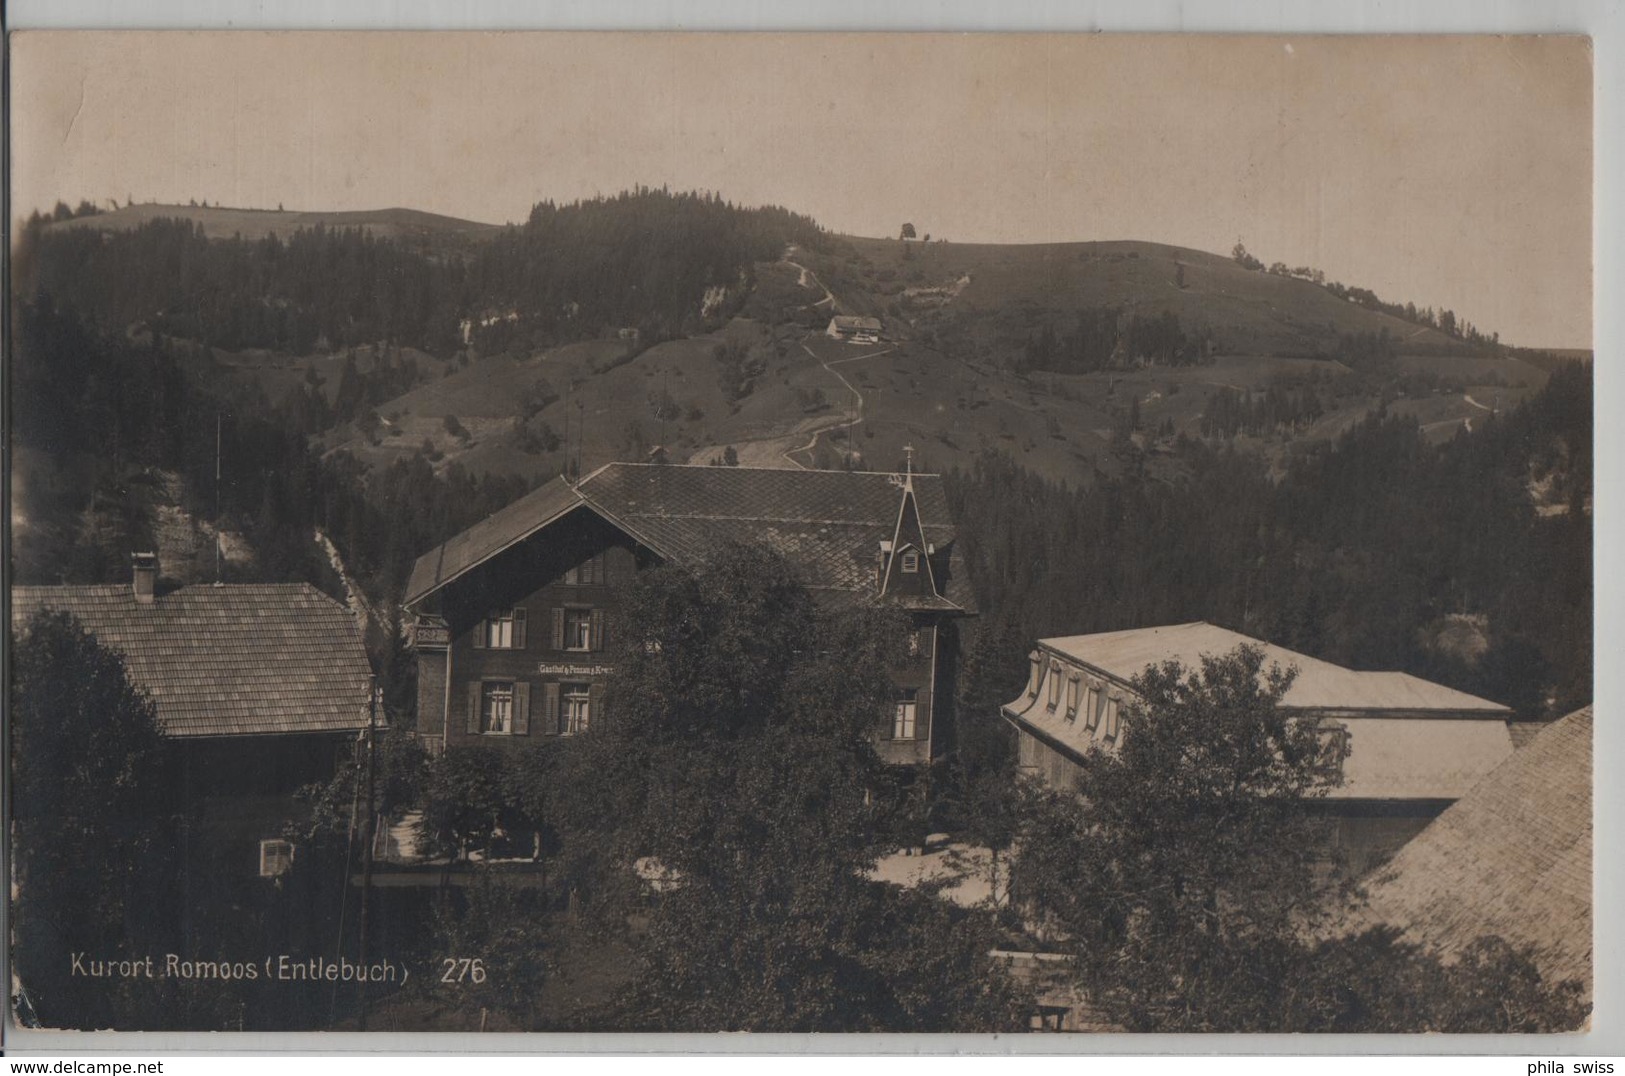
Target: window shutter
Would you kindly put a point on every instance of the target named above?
(550, 707)
(597, 629)
(558, 629)
(474, 708)
(589, 570)
(519, 629)
(595, 703)
(480, 635)
(603, 567)
(521, 708)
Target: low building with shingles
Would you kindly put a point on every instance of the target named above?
(263, 688)
(1510, 859)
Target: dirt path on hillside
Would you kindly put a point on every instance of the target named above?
(829, 365)
(808, 275)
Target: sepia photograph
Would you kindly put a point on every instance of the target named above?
(604, 532)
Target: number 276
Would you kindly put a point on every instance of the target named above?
(462, 969)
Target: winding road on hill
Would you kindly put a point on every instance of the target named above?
(808, 275)
(1466, 421)
(830, 364)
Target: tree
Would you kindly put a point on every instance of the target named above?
(1183, 849)
(96, 819)
(735, 763)
(907, 232)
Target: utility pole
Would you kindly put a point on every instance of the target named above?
(217, 496)
(370, 829)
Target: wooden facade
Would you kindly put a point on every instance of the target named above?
(514, 619)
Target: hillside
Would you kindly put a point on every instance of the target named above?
(993, 295)
(947, 377)
(221, 222)
(686, 322)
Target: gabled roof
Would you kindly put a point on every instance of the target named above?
(856, 323)
(1511, 858)
(230, 660)
(828, 523)
(489, 537)
(1123, 655)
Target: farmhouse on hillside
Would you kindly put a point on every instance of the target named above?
(1411, 747)
(858, 330)
(262, 687)
(515, 616)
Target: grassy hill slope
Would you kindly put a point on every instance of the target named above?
(993, 296)
(940, 381)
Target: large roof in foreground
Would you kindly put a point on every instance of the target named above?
(828, 523)
(1123, 655)
(229, 660)
(1511, 858)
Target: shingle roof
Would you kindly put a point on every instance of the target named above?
(829, 523)
(857, 323)
(1319, 684)
(490, 536)
(231, 660)
(1511, 858)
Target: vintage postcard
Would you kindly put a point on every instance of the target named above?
(707, 532)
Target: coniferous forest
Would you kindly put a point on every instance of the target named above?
(1366, 553)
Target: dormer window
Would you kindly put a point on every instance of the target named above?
(911, 561)
(1113, 718)
(1033, 674)
(1072, 687)
(1054, 684)
(1091, 707)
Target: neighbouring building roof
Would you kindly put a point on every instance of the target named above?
(851, 323)
(1409, 739)
(1123, 655)
(226, 660)
(1511, 858)
(830, 524)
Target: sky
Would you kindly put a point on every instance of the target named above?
(1447, 171)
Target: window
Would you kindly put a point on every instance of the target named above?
(499, 630)
(577, 707)
(1091, 707)
(911, 561)
(903, 724)
(578, 629)
(1054, 684)
(502, 630)
(1332, 750)
(587, 573)
(496, 707)
(276, 858)
(1072, 686)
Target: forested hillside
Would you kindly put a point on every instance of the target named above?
(1467, 562)
(665, 264)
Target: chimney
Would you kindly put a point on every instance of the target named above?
(144, 570)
